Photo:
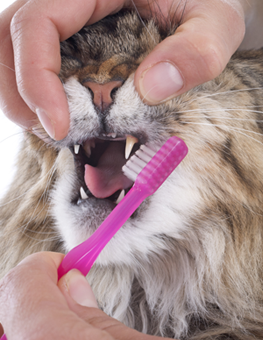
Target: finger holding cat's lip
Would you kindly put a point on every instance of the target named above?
(10, 100)
(197, 52)
(36, 31)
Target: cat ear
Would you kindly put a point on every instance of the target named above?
(103, 93)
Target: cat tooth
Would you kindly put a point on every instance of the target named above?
(83, 195)
(121, 196)
(92, 143)
(76, 148)
(130, 141)
(88, 150)
(112, 135)
(87, 147)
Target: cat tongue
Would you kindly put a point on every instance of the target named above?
(107, 178)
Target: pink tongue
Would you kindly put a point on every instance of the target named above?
(107, 178)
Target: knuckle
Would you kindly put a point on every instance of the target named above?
(18, 24)
(210, 54)
(213, 58)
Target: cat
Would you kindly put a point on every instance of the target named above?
(188, 263)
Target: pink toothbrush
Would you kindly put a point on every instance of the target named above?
(149, 168)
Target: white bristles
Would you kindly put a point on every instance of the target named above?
(141, 163)
(143, 156)
(135, 167)
(129, 173)
(138, 161)
(152, 164)
(147, 150)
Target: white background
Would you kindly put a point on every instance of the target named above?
(10, 136)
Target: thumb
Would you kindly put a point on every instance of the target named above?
(75, 286)
(198, 51)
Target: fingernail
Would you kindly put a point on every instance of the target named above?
(160, 82)
(79, 289)
(46, 122)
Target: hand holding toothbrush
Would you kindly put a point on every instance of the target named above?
(54, 311)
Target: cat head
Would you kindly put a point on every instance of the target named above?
(106, 112)
(106, 116)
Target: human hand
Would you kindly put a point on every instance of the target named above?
(35, 306)
(210, 32)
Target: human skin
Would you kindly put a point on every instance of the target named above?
(35, 306)
(31, 30)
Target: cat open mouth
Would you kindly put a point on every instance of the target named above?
(98, 164)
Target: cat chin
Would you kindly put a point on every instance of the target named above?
(157, 219)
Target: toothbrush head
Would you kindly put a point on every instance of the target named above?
(153, 163)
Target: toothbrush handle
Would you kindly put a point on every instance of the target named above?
(83, 256)
(102, 235)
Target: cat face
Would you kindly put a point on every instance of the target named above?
(98, 66)
(106, 113)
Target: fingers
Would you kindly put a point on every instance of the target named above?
(33, 307)
(199, 50)
(36, 30)
(30, 58)
(79, 296)
(75, 286)
(10, 101)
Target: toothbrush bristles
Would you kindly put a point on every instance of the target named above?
(155, 161)
(129, 173)
(139, 160)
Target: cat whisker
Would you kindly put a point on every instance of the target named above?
(47, 240)
(224, 126)
(226, 92)
(42, 232)
(49, 175)
(20, 196)
(225, 118)
(243, 109)
(139, 16)
(13, 135)
(13, 200)
(10, 68)
(25, 227)
(238, 130)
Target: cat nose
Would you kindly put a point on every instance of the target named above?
(103, 93)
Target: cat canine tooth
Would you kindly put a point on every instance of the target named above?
(88, 150)
(87, 147)
(76, 149)
(112, 135)
(83, 195)
(130, 141)
(121, 196)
